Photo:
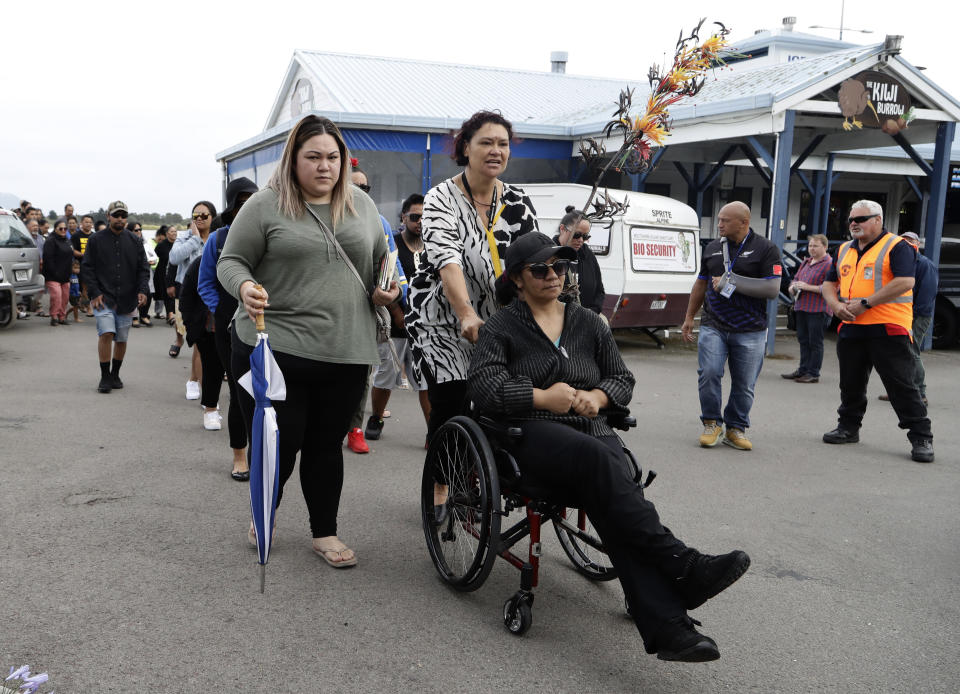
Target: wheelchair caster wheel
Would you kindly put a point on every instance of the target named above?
(518, 614)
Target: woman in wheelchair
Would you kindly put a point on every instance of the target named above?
(556, 368)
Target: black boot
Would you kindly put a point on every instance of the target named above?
(106, 381)
(679, 640)
(707, 575)
(115, 374)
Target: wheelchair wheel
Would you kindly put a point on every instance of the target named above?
(518, 613)
(462, 544)
(582, 546)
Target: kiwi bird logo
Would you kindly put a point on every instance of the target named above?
(854, 100)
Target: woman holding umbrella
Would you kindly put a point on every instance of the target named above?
(313, 243)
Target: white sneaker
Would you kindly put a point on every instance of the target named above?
(211, 420)
(193, 390)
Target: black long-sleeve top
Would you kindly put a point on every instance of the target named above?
(57, 259)
(115, 266)
(513, 356)
(589, 278)
(160, 271)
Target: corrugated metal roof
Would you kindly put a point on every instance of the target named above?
(368, 84)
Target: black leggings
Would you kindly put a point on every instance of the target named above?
(238, 432)
(313, 420)
(446, 400)
(575, 469)
(212, 376)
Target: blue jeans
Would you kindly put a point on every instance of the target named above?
(744, 351)
(810, 336)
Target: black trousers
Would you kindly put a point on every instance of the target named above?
(212, 377)
(447, 400)
(893, 360)
(313, 420)
(238, 432)
(578, 470)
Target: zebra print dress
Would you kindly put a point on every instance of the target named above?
(453, 233)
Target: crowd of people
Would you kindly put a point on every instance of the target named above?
(481, 306)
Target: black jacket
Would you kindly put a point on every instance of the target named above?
(115, 267)
(589, 280)
(57, 259)
(513, 356)
(192, 308)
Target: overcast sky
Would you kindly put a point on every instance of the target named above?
(119, 100)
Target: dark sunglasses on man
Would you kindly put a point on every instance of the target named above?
(201, 217)
(860, 219)
(119, 214)
(539, 270)
(414, 217)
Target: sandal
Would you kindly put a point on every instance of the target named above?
(171, 320)
(174, 351)
(146, 322)
(334, 557)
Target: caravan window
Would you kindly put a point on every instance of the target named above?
(663, 250)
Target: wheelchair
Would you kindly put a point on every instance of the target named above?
(484, 488)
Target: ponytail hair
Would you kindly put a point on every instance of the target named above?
(504, 289)
(572, 217)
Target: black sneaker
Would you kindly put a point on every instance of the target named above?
(374, 428)
(708, 575)
(106, 384)
(679, 640)
(922, 451)
(840, 435)
(792, 376)
(116, 382)
(62, 322)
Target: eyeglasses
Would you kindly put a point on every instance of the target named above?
(860, 219)
(414, 217)
(579, 235)
(201, 217)
(119, 214)
(363, 186)
(539, 270)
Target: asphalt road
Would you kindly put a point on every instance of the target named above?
(125, 565)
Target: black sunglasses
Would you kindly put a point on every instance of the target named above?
(363, 186)
(860, 219)
(579, 235)
(203, 216)
(119, 214)
(539, 270)
(414, 217)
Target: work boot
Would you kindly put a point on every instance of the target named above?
(707, 575)
(735, 438)
(922, 450)
(841, 435)
(711, 433)
(678, 640)
(374, 428)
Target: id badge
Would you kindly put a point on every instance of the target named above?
(868, 272)
(728, 289)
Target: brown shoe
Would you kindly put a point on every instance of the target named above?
(807, 378)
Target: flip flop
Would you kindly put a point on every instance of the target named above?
(343, 563)
(174, 351)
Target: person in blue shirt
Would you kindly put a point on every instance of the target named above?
(223, 306)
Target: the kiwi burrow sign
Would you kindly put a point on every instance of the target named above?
(874, 100)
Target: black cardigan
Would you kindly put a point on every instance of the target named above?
(513, 356)
(57, 259)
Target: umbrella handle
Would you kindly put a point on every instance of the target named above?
(261, 325)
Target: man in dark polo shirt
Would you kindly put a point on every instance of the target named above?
(116, 274)
(739, 273)
(871, 289)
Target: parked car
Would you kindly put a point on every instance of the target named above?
(946, 312)
(20, 275)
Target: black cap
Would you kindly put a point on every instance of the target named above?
(534, 247)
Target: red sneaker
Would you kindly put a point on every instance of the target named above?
(355, 441)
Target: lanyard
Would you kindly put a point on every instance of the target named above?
(739, 248)
(492, 219)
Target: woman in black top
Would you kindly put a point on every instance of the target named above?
(160, 274)
(57, 267)
(556, 368)
(583, 282)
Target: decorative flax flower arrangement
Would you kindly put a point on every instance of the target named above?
(686, 77)
(28, 684)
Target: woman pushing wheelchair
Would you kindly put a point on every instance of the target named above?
(556, 367)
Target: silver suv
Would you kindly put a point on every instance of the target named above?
(19, 267)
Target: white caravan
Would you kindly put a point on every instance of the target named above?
(649, 256)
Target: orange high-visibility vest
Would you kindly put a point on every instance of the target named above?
(861, 277)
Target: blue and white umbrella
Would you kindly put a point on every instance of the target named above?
(265, 384)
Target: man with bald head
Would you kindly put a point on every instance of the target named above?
(739, 272)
